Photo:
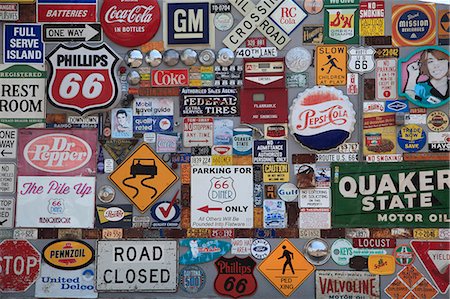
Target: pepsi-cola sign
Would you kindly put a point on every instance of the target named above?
(130, 23)
(82, 78)
(321, 118)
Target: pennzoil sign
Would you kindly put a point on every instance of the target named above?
(68, 255)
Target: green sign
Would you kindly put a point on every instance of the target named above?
(341, 21)
(390, 194)
(22, 95)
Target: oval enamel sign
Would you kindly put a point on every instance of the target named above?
(68, 254)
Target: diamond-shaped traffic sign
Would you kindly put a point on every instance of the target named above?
(288, 16)
(286, 268)
(143, 177)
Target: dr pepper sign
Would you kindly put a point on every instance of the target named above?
(388, 195)
(82, 78)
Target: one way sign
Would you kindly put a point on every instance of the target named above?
(56, 33)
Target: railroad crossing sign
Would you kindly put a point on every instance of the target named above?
(19, 264)
(286, 268)
(143, 177)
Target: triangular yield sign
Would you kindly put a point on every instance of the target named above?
(435, 257)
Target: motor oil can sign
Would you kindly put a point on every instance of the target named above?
(22, 100)
(227, 201)
(23, 43)
(137, 266)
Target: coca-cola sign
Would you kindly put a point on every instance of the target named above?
(170, 78)
(322, 118)
(65, 152)
(130, 23)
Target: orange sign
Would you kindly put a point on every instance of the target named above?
(286, 268)
(143, 177)
(444, 26)
(331, 65)
(381, 264)
(396, 289)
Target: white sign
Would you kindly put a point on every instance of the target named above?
(137, 265)
(6, 213)
(337, 158)
(361, 59)
(415, 119)
(241, 246)
(26, 233)
(7, 177)
(55, 202)
(8, 143)
(263, 52)
(386, 79)
(352, 84)
(314, 218)
(9, 11)
(222, 197)
(66, 32)
(254, 17)
(109, 165)
(315, 198)
(56, 283)
(288, 192)
(198, 131)
(374, 107)
(385, 158)
(288, 15)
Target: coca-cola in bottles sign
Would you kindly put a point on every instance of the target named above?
(130, 23)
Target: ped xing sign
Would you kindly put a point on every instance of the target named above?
(137, 265)
(390, 195)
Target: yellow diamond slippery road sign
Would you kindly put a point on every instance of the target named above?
(286, 268)
(143, 177)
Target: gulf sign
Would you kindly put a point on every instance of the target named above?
(66, 11)
(68, 255)
(65, 152)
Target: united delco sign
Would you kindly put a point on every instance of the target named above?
(390, 194)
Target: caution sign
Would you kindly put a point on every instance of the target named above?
(331, 65)
(286, 268)
(143, 177)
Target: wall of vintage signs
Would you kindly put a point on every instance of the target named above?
(236, 148)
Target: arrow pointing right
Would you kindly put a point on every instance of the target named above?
(90, 32)
(206, 209)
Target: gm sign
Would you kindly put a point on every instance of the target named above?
(188, 23)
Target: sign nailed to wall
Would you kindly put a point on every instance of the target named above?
(390, 195)
(371, 18)
(67, 11)
(212, 101)
(331, 65)
(23, 43)
(341, 21)
(55, 33)
(358, 284)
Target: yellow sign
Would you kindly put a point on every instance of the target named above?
(68, 255)
(275, 173)
(426, 233)
(331, 65)
(143, 177)
(221, 160)
(286, 268)
(381, 264)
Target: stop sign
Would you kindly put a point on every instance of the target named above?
(19, 265)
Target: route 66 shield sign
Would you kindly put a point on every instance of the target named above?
(82, 78)
(235, 277)
(222, 189)
(361, 59)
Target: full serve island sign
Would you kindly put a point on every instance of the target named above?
(391, 194)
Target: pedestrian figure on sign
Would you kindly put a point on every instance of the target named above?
(332, 62)
(289, 257)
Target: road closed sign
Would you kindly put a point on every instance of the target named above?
(137, 266)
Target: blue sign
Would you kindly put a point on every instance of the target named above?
(188, 23)
(23, 43)
(203, 250)
(143, 124)
(396, 106)
(411, 138)
(192, 279)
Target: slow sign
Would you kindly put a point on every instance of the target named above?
(137, 265)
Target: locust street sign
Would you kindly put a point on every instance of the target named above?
(56, 33)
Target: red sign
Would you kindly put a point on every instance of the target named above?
(256, 42)
(235, 277)
(66, 152)
(374, 243)
(264, 106)
(435, 257)
(53, 11)
(130, 23)
(19, 265)
(170, 78)
(82, 78)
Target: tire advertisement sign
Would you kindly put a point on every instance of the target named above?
(390, 195)
(22, 97)
(212, 101)
(350, 284)
(55, 202)
(137, 266)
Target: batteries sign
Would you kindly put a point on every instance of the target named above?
(228, 200)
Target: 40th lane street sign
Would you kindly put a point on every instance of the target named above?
(56, 33)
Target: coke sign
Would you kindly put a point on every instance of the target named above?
(66, 152)
(170, 78)
(19, 265)
(82, 78)
(130, 23)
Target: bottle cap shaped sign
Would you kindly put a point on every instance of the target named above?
(321, 118)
